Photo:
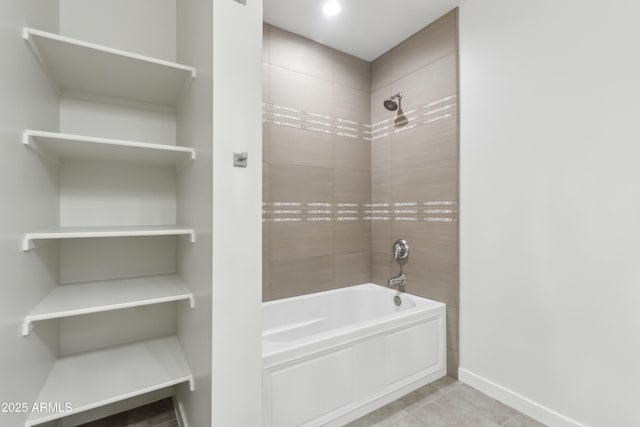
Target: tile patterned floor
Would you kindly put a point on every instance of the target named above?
(156, 414)
(445, 403)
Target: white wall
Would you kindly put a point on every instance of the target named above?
(95, 193)
(550, 207)
(100, 330)
(82, 260)
(237, 213)
(147, 27)
(110, 118)
(28, 187)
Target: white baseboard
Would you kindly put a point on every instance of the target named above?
(526, 406)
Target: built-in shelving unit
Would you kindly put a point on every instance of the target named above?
(90, 380)
(94, 232)
(105, 93)
(64, 146)
(93, 297)
(75, 65)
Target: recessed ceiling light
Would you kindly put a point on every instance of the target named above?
(331, 8)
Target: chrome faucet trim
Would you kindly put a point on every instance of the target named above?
(400, 281)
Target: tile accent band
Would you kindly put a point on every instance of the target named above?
(286, 212)
(280, 115)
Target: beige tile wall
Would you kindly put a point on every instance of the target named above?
(414, 173)
(321, 167)
(312, 174)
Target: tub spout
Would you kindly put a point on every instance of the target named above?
(400, 281)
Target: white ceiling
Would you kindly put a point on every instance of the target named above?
(365, 28)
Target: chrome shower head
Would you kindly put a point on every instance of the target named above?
(390, 103)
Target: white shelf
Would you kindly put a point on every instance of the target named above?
(65, 146)
(92, 232)
(102, 377)
(87, 67)
(94, 297)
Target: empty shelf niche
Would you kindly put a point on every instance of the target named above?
(75, 65)
(90, 380)
(94, 297)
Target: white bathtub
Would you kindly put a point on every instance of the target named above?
(331, 357)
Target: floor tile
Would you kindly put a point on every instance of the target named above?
(445, 403)
(418, 398)
(521, 420)
(152, 415)
(157, 414)
(406, 421)
(445, 384)
(118, 420)
(454, 402)
(484, 405)
(391, 412)
(435, 414)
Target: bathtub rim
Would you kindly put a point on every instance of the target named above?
(369, 285)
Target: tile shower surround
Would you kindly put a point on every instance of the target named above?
(341, 183)
(317, 167)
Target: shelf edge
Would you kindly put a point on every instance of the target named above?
(28, 326)
(27, 241)
(27, 32)
(28, 134)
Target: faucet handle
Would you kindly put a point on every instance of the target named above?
(401, 250)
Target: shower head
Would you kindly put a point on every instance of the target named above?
(390, 103)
